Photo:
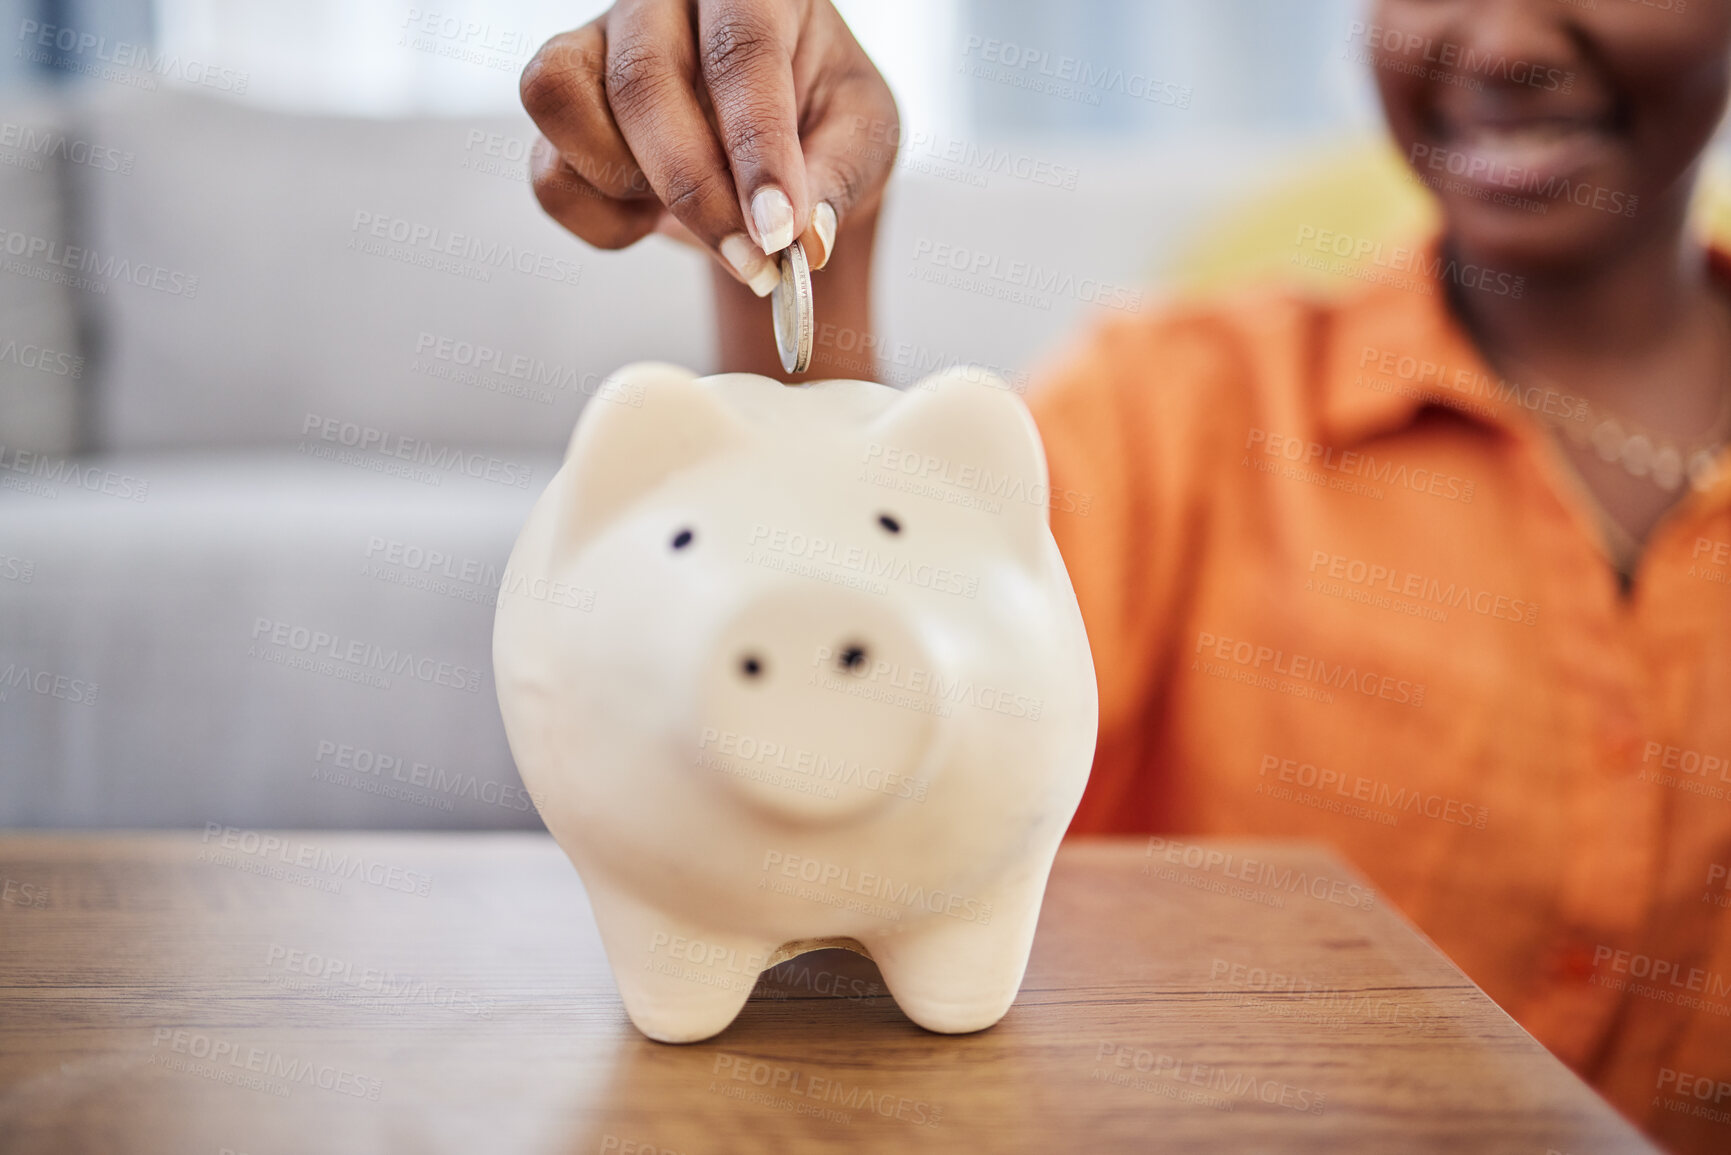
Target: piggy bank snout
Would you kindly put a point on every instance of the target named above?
(818, 705)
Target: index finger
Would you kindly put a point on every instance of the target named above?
(652, 76)
(748, 48)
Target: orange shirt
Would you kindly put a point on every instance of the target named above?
(1341, 583)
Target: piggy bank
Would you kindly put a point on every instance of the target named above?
(799, 667)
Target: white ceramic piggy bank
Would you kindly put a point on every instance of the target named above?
(790, 668)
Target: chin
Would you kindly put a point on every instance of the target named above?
(1557, 241)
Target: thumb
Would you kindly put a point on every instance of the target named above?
(849, 155)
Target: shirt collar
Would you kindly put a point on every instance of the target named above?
(1400, 350)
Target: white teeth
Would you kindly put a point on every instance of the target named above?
(1539, 144)
(1532, 131)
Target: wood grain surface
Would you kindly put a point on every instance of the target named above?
(434, 993)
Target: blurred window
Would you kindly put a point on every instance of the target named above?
(1072, 69)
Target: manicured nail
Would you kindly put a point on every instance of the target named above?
(754, 268)
(823, 223)
(772, 213)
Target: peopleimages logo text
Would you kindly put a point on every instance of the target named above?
(1432, 267)
(1417, 51)
(90, 263)
(366, 655)
(1528, 181)
(367, 438)
(65, 471)
(87, 50)
(38, 143)
(484, 255)
(292, 852)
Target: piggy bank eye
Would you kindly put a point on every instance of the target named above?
(889, 523)
(682, 539)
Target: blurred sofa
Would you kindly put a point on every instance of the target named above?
(277, 392)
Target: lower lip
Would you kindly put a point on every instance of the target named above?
(1531, 170)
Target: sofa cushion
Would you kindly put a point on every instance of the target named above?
(259, 639)
(41, 363)
(393, 273)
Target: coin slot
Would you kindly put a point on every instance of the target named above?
(889, 523)
(853, 658)
(682, 539)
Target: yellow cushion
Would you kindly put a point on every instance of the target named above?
(1361, 189)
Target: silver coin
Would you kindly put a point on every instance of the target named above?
(792, 305)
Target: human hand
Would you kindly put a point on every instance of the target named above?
(738, 123)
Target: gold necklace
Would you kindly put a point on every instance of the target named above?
(1641, 451)
(1644, 453)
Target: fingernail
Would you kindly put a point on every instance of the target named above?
(772, 213)
(823, 223)
(757, 270)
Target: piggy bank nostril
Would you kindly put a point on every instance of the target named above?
(751, 666)
(852, 658)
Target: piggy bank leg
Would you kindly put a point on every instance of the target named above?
(953, 974)
(680, 983)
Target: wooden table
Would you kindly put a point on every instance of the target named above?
(429, 993)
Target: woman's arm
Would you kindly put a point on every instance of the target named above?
(843, 346)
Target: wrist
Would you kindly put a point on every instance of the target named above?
(844, 344)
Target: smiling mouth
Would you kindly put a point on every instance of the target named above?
(1497, 146)
(1544, 148)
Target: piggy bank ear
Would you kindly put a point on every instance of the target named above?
(648, 421)
(971, 433)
